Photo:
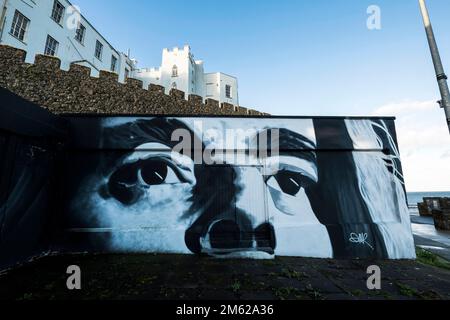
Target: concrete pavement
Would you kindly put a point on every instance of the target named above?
(427, 237)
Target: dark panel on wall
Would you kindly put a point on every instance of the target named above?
(29, 143)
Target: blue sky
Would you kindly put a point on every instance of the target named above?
(305, 58)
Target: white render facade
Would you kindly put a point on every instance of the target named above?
(179, 70)
(46, 27)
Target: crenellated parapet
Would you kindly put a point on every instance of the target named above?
(76, 91)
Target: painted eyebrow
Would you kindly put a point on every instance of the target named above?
(291, 144)
(158, 155)
(309, 168)
(288, 140)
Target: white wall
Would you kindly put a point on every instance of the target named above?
(191, 78)
(69, 50)
(212, 86)
(215, 87)
(180, 58)
(148, 76)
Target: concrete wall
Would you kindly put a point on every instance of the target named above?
(75, 91)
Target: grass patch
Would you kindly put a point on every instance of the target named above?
(357, 293)
(286, 293)
(429, 258)
(314, 293)
(406, 290)
(293, 274)
(269, 263)
(236, 286)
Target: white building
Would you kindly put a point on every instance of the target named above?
(179, 70)
(56, 28)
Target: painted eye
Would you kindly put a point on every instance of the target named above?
(128, 182)
(156, 172)
(153, 172)
(288, 182)
(122, 184)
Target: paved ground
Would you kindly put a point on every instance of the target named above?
(426, 236)
(192, 277)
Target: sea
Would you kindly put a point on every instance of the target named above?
(415, 197)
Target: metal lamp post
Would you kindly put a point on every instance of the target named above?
(440, 74)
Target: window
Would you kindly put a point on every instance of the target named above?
(113, 63)
(98, 50)
(80, 33)
(58, 11)
(174, 85)
(19, 25)
(228, 91)
(127, 73)
(51, 46)
(174, 71)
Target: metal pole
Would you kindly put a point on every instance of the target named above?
(440, 74)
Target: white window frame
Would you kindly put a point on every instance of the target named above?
(58, 12)
(114, 61)
(174, 71)
(51, 50)
(80, 33)
(98, 50)
(228, 91)
(19, 25)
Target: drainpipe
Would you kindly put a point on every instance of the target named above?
(440, 74)
(3, 19)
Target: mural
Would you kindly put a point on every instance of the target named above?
(322, 187)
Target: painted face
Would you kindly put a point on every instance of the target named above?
(141, 193)
(142, 199)
(153, 199)
(261, 207)
(291, 208)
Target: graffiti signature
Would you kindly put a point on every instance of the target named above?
(360, 238)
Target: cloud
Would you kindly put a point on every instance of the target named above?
(405, 107)
(424, 142)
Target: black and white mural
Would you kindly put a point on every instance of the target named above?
(254, 187)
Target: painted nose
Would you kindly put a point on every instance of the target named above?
(225, 234)
(265, 236)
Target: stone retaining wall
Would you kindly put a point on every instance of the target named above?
(75, 91)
